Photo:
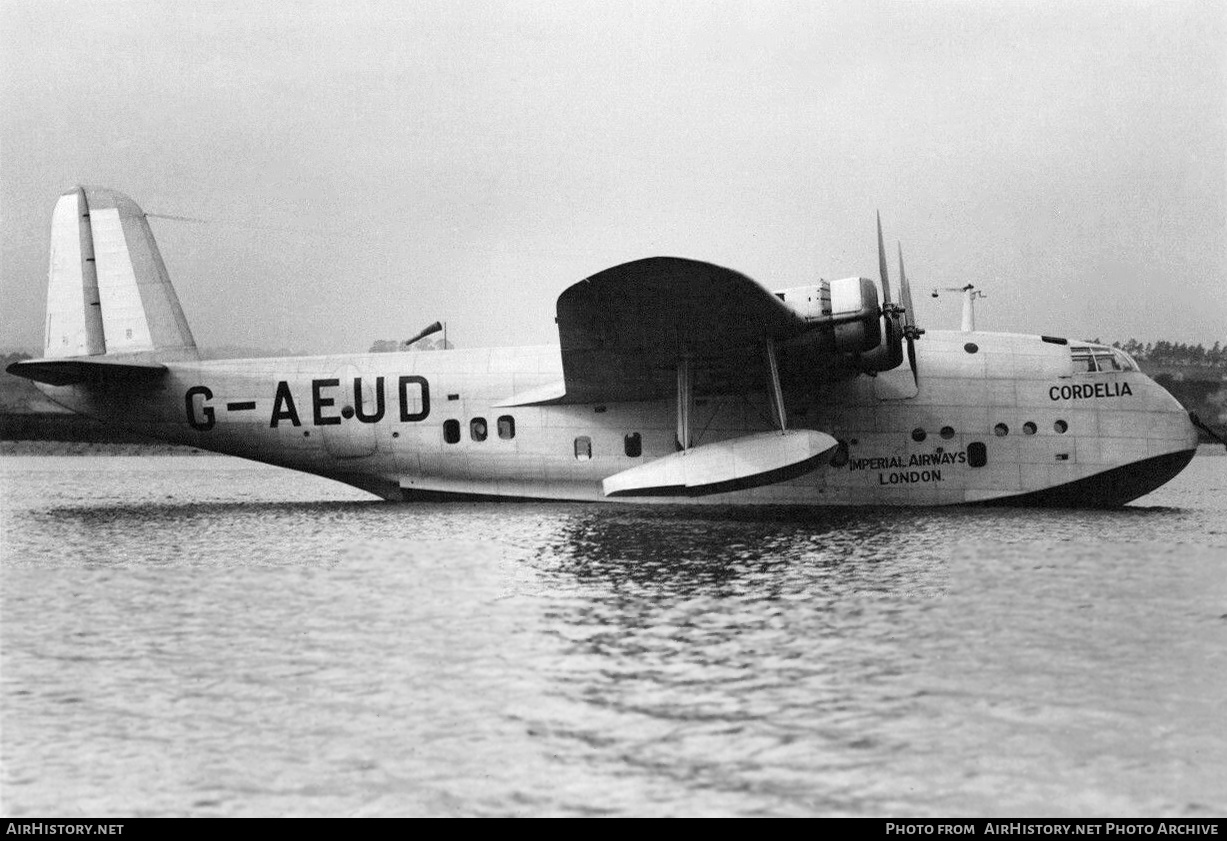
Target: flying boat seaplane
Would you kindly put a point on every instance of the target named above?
(673, 381)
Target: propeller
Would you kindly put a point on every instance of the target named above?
(898, 319)
(890, 312)
(910, 331)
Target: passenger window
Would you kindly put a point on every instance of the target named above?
(918, 435)
(633, 445)
(477, 429)
(1061, 427)
(451, 431)
(1029, 428)
(977, 454)
(1001, 430)
(583, 448)
(947, 432)
(506, 427)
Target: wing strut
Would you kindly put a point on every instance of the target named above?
(685, 399)
(777, 393)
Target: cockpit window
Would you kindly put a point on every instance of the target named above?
(1124, 360)
(1089, 359)
(1084, 362)
(1106, 362)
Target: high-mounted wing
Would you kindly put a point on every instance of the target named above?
(623, 330)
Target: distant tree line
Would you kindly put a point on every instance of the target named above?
(1175, 353)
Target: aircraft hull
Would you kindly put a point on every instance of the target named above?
(1007, 423)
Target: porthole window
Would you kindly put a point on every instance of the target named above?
(632, 444)
(506, 427)
(1061, 427)
(918, 435)
(451, 431)
(583, 448)
(971, 347)
(477, 429)
(1001, 430)
(977, 454)
(1029, 428)
(947, 432)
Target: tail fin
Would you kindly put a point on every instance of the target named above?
(107, 289)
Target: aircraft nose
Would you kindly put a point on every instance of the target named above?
(1191, 433)
(1179, 426)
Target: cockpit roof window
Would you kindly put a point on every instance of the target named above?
(1100, 358)
(1125, 360)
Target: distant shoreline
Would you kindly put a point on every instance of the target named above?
(96, 448)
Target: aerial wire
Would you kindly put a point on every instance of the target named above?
(235, 223)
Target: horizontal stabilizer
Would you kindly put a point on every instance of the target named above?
(95, 369)
(732, 465)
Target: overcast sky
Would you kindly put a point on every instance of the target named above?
(382, 165)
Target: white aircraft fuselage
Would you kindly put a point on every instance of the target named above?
(995, 417)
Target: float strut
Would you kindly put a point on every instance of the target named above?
(776, 393)
(685, 399)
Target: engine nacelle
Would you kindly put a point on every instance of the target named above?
(844, 298)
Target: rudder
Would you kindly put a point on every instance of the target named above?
(108, 291)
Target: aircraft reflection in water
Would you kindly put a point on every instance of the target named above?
(675, 380)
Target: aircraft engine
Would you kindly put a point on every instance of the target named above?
(845, 314)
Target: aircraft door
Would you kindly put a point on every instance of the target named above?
(354, 436)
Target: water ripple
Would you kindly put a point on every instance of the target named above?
(205, 637)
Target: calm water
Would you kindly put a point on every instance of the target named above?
(202, 636)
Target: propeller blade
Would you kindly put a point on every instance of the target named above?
(909, 317)
(882, 264)
(911, 358)
(905, 293)
(890, 312)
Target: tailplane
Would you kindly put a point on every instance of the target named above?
(108, 292)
